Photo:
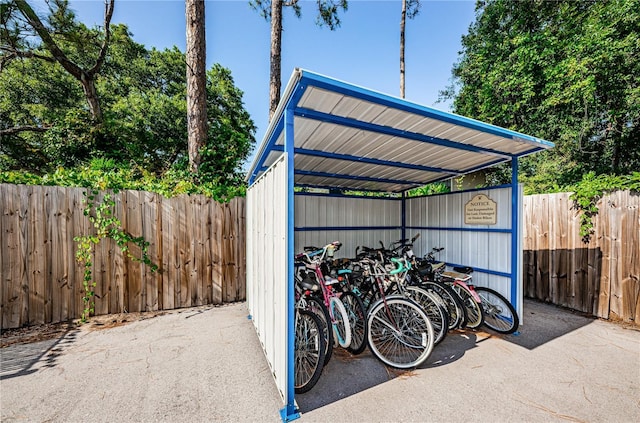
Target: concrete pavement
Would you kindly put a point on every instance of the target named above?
(206, 364)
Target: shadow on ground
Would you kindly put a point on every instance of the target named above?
(25, 359)
(347, 375)
(545, 322)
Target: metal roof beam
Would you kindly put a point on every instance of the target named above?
(358, 178)
(387, 130)
(377, 191)
(368, 160)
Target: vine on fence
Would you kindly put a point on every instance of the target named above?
(102, 215)
(591, 189)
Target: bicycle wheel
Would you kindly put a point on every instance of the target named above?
(499, 314)
(400, 333)
(319, 309)
(455, 309)
(475, 316)
(435, 310)
(340, 322)
(357, 321)
(309, 351)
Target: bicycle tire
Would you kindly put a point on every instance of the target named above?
(340, 322)
(499, 314)
(317, 306)
(435, 309)
(400, 333)
(309, 351)
(357, 321)
(475, 315)
(455, 308)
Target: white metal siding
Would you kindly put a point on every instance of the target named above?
(327, 212)
(267, 265)
(487, 250)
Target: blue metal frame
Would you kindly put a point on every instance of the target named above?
(345, 228)
(368, 160)
(514, 229)
(435, 228)
(359, 178)
(403, 211)
(290, 412)
(481, 270)
(265, 153)
(466, 190)
(387, 130)
(320, 194)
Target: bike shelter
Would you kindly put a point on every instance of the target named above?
(341, 137)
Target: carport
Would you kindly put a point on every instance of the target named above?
(342, 138)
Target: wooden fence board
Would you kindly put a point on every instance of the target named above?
(150, 220)
(11, 278)
(217, 254)
(613, 206)
(37, 268)
(168, 268)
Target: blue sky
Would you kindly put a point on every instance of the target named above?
(363, 51)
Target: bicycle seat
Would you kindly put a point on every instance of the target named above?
(309, 285)
(463, 269)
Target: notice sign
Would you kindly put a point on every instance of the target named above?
(480, 210)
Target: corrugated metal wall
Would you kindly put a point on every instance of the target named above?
(322, 213)
(484, 250)
(267, 265)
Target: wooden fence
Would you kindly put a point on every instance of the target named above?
(198, 244)
(200, 247)
(601, 277)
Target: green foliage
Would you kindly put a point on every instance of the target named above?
(430, 189)
(102, 215)
(104, 174)
(142, 95)
(327, 10)
(588, 191)
(565, 71)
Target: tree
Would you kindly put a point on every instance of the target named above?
(271, 10)
(17, 29)
(142, 93)
(196, 82)
(410, 9)
(564, 71)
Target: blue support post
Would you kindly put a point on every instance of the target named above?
(515, 251)
(403, 233)
(289, 412)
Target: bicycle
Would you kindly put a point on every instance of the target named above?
(311, 275)
(498, 314)
(309, 350)
(400, 333)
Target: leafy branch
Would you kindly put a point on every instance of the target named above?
(587, 193)
(101, 215)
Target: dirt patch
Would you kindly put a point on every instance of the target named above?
(36, 333)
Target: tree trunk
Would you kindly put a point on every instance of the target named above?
(403, 19)
(196, 82)
(86, 77)
(91, 94)
(276, 56)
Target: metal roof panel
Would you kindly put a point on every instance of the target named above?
(383, 137)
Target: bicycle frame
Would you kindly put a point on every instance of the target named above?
(313, 260)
